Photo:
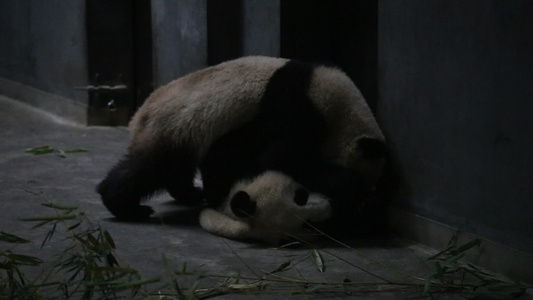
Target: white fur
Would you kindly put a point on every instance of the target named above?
(198, 108)
(348, 118)
(276, 216)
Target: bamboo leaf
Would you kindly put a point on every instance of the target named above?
(454, 259)
(47, 149)
(480, 273)
(11, 238)
(61, 153)
(111, 260)
(40, 150)
(20, 276)
(243, 286)
(109, 239)
(40, 224)
(50, 218)
(24, 259)
(317, 259)
(442, 252)
(284, 266)
(37, 148)
(60, 206)
(290, 244)
(469, 245)
(92, 240)
(49, 235)
(313, 288)
(74, 226)
(4, 266)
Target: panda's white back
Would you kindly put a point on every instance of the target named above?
(202, 106)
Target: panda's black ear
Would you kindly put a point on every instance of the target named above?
(301, 196)
(242, 205)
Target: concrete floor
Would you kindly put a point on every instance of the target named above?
(28, 180)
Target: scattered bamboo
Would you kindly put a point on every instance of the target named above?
(87, 268)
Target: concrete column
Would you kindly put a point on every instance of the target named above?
(261, 30)
(179, 37)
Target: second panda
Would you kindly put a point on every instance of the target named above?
(241, 118)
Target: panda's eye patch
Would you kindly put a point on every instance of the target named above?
(301, 196)
(242, 205)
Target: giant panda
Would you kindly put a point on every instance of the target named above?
(270, 208)
(308, 122)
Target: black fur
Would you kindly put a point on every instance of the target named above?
(301, 196)
(140, 174)
(286, 135)
(242, 205)
(372, 148)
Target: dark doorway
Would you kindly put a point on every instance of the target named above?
(119, 39)
(224, 30)
(340, 32)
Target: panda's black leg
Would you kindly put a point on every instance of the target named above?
(144, 172)
(180, 183)
(128, 182)
(188, 195)
(372, 148)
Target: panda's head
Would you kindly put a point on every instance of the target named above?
(270, 207)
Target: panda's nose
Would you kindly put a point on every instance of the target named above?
(301, 196)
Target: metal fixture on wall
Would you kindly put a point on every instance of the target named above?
(119, 52)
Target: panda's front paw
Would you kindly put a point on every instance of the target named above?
(136, 213)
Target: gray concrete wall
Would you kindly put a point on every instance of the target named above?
(455, 102)
(179, 37)
(261, 27)
(454, 91)
(42, 44)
